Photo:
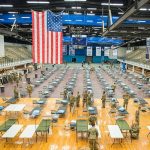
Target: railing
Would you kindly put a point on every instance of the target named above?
(145, 66)
(14, 63)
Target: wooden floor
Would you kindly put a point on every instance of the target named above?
(62, 139)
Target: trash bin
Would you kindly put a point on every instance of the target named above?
(2, 89)
(28, 80)
(36, 75)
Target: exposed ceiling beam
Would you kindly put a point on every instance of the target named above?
(127, 14)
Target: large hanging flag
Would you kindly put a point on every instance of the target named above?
(47, 38)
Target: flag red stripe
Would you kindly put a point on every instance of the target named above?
(43, 38)
(51, 47)
(33, 42)
(38, 38)
(61, 45)
(57, 45)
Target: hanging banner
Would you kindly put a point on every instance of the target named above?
(98, 51)
(106, 51)
(71, 50)
(64, 49)
(115, 53)
(89, 50)
(147, 48)
(2, 49)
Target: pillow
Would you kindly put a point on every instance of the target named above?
(61, 111)
(113, 99)
(91, 108)
(40, 102)
(121, 109)
(35, 113)
(1, 107)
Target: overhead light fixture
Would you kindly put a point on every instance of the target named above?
(111, 4)
(77, 13)
(120, 13)
(64, 13)
(143, 9)
(25, 17)
(89, 20)
(1, 19)
(38, 2)
(11, 18)
(6, 5)
(75, 0)
(67, 20)
(79, 20)
(92, 8)
(76, 7)
(141, 21)
(12, 12)
(90, 14)
(99, 22)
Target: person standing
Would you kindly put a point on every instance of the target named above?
(85, 95)
(103, 99)
(126, 98)
(78, 99)
(29, 89)
(72, 100)
(92, 137)
(16, 93)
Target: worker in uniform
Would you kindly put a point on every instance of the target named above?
(72, 100)
(20, 76)
(65, 94)
(113, 87)
(126, 98)
(134, 130)
(29, 89)
(16, 93)
(78, 99)
(89, 100)
(92, 118)
(92, 137)
(103, 99)
(137, 115)
(85, 95)
(17, 79)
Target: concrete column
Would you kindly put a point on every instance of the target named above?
(143, 71)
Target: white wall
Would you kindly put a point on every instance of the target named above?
(2, 49)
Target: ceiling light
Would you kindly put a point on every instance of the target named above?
(38, 2)
(64, 13)
(76, 7)
(92, 8)
(89, 20)
(75, 0)
(12, 12)
(79, 20)
(25, 17)
(67, 20)
(120, 13)
(90, 14)
(77, 13)
(112, 4)
(143, 9)
(141, 21)
(1, 19)
(99, 22)
(11, 18)
(6, 5)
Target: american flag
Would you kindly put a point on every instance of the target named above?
(47, 37)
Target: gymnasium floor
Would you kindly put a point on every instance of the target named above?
(60, 138)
